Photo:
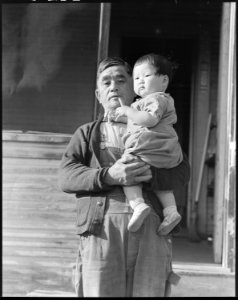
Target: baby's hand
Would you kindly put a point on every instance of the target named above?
(121, 111)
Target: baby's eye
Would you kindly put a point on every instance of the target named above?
(136, 78)
(147, 75)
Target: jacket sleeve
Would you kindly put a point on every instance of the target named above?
(75, 173)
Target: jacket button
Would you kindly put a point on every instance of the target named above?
(102, 145)
(99, 203)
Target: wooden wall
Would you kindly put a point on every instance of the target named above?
(39, 241)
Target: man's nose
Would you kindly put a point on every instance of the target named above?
(113, 86)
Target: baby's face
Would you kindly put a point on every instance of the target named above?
(146, 81)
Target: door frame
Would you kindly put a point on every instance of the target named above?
(224, 212)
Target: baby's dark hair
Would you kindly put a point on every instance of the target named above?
(162, 64)
(113, 61)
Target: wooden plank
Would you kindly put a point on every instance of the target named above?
(57, 233)
(45, 215)
(51, 179)
(20, 265)
(36, 272)
(39, 203)
(224, 103)
(32, 247)
(14, 190)
(44, 221)
(25, 224)
(12, 196)
(51, 293)
(56, 253)
(26, 166)
(48, 137)
(14, 170)
(24, 162)
(103, 38)
(229, 245)
(10, 263)
(34, 150)
(32, 185)
(36, 243)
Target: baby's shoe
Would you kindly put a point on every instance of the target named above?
(141, 211)
(169, 222)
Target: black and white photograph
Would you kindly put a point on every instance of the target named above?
(87, 209)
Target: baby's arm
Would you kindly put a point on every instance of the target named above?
(142, 118)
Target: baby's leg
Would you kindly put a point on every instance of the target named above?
(140, 209)
(171, 215)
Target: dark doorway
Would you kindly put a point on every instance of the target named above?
(180, 51)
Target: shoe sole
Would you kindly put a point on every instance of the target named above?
(166, 230)
(135, 226)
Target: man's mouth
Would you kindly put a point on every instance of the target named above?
(113, 97)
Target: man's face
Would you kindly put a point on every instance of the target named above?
(114, 83)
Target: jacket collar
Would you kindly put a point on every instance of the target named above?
(94, 138)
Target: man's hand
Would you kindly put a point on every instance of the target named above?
(128, 170)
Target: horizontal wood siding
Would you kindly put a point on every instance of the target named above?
(39, 241)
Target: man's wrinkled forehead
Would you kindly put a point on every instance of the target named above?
(114, 72)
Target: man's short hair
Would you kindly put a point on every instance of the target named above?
(113, 61)
(162, 64)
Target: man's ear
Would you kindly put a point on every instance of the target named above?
(97, 94)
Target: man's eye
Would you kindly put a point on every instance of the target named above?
(121, 80)
(106, 82)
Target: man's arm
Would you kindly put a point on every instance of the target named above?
(128, 171)
(75, 175)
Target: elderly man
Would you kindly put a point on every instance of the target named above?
(113, 262)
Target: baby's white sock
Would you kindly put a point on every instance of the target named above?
(135, 202)
(169, 209)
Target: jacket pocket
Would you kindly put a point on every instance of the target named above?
(83, 207)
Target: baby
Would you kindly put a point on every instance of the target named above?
(151, 136)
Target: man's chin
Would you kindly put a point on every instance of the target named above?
(113, 105)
